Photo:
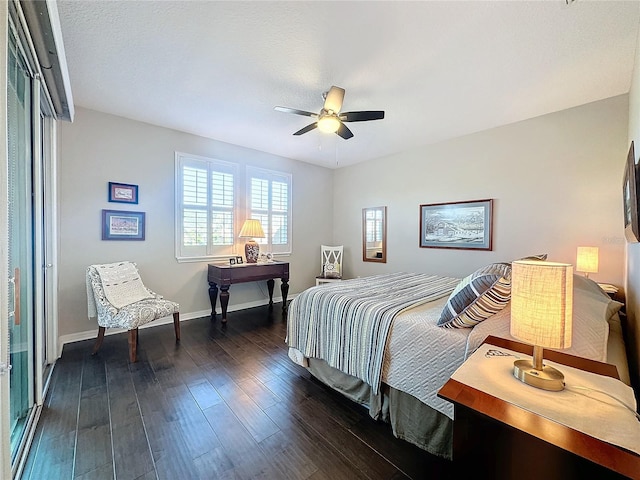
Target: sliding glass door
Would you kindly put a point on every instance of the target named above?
(28, 301)
(21, 247)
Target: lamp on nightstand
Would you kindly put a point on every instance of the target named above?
(587, 260)
(541, 314)
(250, 230)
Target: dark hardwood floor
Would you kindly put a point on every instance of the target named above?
(226, 403)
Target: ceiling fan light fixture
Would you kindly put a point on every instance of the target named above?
(329, 124)
(330, 120)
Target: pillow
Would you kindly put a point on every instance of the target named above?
(589, 288)
(331, 270)
(540, 256)
(478, 296)
(592, 311)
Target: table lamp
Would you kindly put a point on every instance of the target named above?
(587, 260)
(541, 314)
(250, 230)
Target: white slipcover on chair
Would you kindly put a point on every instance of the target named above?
(117, 297)
(330, 264)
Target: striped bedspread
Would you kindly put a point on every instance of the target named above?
(347, 323)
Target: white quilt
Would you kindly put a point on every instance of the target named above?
(419, 356)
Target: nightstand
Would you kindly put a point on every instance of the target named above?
(498, 439)
(609, 289)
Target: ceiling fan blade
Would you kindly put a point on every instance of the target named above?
(362, 116)
(344, 132)
(296, 111)
(334, 99)
(306, 129)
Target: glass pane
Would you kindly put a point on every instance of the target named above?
(21, 250)
(222, 228)
(279, 234)
(194, 227)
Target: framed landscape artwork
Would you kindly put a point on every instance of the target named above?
(121, 225)
(463, 225)
(123, 193)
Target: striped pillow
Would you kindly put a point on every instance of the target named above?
(478, 296)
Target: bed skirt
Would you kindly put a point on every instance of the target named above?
(410, 419)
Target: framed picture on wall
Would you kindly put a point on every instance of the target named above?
(121, 225)
(463, 225)
(630, 205)
(123, 193)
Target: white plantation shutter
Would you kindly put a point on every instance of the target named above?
(269, 200)
(194, 182)
(222, 201)
(205, 197)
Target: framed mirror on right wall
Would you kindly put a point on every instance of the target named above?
(374, 234)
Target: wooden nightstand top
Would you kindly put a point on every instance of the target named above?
(581, 444)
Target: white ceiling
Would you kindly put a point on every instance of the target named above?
(439, 69)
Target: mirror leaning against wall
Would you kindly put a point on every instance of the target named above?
(374, 234)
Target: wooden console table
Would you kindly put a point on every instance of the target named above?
(222, 276)
(502, 440)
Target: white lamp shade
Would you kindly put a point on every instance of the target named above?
(542, 303)
(328, 124)
(251, 229)
(587, 260)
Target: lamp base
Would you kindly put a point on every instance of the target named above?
(548, 378)
(252, 251)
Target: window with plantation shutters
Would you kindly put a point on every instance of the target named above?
(269, 200)
(205, 198)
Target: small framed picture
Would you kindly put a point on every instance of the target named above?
(123, 193)
(121, 225)
(232, 261)
(238, 260)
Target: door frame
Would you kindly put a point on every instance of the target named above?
(45, 236)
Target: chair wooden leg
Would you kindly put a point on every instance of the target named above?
(176, 325)
(99, 340)
(133, 344)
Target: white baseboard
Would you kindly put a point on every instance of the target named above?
(92, 334)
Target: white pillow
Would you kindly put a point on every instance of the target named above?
(592, 309)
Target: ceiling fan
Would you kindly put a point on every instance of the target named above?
(330, 120)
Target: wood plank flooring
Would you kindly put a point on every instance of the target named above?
(226, 403)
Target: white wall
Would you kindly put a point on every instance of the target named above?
(556, 181)
(97, 148)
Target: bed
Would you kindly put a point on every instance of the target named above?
(389, 342)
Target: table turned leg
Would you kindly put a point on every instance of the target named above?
(284, 287)
(213, 295)
(270, 284)
(224, 301)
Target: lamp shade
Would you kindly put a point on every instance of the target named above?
(587, 260)
(251, 229)
(328, 124)
(542, 303)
